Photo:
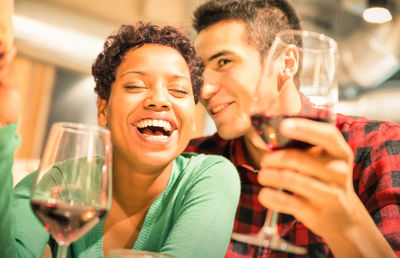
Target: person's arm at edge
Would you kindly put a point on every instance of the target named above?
(9, 141)
(12, 239)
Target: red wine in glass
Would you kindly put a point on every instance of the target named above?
(67, 223)
(268, 129)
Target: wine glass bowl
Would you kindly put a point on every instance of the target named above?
(299, 81)
(307, 61)
(71, 190)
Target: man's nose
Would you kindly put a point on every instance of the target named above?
(211, 84)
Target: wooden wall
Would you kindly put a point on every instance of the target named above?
(36, 85)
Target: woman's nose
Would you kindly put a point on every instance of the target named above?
(158, 100)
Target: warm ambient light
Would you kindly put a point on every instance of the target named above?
(70, 44)
(377, 15)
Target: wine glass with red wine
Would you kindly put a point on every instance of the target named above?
(299, 81)
(72, 187)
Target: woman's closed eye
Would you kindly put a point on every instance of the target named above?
(179, 91)
(135, 88)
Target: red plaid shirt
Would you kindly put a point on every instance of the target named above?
(376, 180)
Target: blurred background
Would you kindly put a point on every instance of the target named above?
(57, 41)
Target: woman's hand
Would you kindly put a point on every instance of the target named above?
(9, 88)
(323, 196)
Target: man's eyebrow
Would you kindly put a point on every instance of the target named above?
(221, 53)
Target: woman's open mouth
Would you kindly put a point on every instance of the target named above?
(156, 128)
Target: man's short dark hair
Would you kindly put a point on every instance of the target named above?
(263, 19)
(135, 36)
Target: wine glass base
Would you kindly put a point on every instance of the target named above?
(273, 242)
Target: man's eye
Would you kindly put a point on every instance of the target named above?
(223, 62)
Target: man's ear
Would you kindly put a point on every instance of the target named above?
(102, 111)
(290, 62)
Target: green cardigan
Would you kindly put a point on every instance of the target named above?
(193, 217)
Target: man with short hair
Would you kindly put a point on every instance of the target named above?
(344, 199)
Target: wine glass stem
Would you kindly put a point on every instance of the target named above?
(62, 251)
(271, 219)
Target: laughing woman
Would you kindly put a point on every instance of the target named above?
(148, 81)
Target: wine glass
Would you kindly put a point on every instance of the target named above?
(72, 188)
(302, 66)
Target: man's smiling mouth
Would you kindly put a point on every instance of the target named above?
(154, 128)
(219, 108)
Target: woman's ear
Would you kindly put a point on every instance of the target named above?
(102, 111)
(290, 62)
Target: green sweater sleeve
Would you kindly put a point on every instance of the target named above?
(9, 141)
(204, 224)
(22, 235)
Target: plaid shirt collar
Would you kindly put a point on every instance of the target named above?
(237, 154)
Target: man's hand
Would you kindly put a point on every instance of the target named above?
(9, 88)
(323, 196)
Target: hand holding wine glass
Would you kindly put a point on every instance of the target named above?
(71, 191)
(299, 81)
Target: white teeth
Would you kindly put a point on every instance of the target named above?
(153, 122)
(218, 108)
(158, 136)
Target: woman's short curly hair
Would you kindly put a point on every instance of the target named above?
(135, 36)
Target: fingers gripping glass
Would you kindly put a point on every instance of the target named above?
(306, 62)
(72, 187)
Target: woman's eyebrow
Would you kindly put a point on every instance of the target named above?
(131, 71)
(173, 76)
(177, 76)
